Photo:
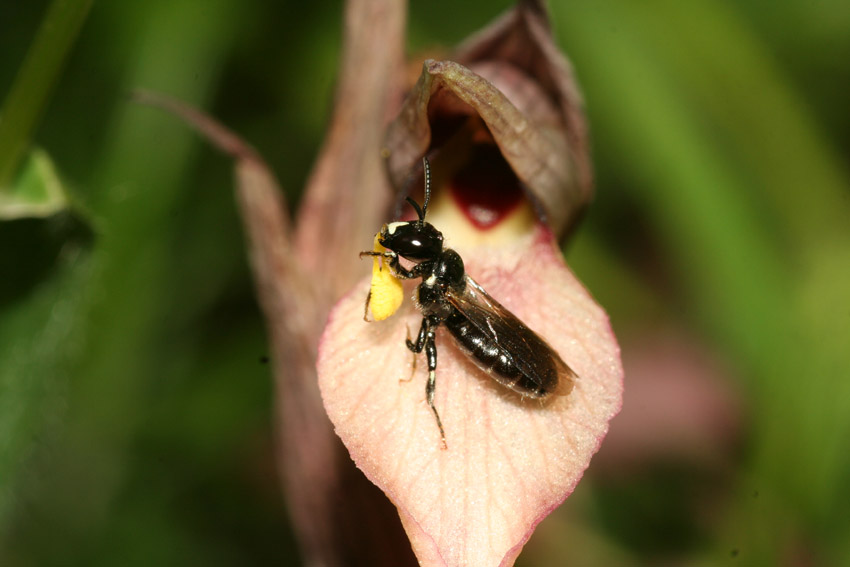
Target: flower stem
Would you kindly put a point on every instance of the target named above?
(36, 78)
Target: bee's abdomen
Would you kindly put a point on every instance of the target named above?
(494, 358)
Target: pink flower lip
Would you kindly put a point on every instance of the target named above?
(510, 460)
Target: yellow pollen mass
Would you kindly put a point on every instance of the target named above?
(386, 293)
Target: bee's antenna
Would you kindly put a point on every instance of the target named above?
(416, 208)
(426, 166)
(420, 211)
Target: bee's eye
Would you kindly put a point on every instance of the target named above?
(413, 240)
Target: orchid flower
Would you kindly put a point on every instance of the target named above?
(502, 122)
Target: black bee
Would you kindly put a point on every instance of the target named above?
(498, 342)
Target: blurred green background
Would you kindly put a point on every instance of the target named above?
(135, 395)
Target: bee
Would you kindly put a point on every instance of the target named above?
(493, 337)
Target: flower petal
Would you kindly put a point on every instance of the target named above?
(521, 41)
(515, 78)
(348, 193)
(510, 461)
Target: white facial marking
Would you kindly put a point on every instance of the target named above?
(431, 281)
(391, 228)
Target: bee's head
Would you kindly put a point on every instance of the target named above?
(415, 240)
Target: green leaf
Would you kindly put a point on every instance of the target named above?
(36, 192)
(748, 202)
(39, 73)
(37, 339)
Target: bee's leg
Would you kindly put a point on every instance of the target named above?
(391, 259)
(431, 355)
(420, 338)
(417, 347)
(366, 307)
(426, 340)
(412, 347)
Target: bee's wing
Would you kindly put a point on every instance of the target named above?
(531, 354)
